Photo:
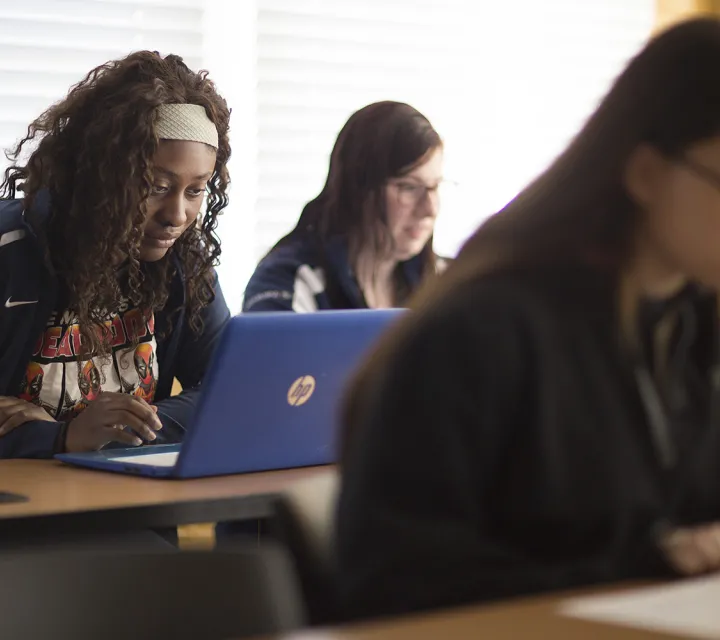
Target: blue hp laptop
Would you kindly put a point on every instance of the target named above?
(269, 400)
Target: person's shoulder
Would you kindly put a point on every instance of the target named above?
(285, 261)
(511, 303)
(294, 251)
(475, 326)
(18, 242)
(11, 220)
(19, 248)
(288, 273)
(18, 221)
(492, 294)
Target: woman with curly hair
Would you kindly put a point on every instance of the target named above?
(107, 283)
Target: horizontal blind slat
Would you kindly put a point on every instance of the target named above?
(46, 46)
(506, 87)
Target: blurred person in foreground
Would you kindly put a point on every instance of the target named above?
(547, 416)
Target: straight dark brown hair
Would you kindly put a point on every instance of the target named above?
(381, 141)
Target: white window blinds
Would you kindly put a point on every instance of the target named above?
(505, 83)
(48, 45)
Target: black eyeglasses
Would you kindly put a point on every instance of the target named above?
(701, 171)
(411, 193)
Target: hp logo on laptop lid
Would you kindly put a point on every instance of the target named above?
(300, 391)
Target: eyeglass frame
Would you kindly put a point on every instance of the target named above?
(426, 191)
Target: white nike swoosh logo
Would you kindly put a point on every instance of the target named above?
(9, 303)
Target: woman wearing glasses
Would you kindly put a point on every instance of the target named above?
(547, 417)
(366, 240)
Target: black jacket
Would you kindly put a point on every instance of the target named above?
(507, 449)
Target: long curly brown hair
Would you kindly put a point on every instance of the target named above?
(93, 153)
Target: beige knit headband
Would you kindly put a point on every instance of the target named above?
(185, 122)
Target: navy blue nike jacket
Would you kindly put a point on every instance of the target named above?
(26, 278)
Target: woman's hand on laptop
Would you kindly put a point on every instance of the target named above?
(104, 421)
(15, 412)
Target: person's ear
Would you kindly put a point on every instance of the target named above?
(645, 171)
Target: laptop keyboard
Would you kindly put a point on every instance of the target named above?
(167, 459)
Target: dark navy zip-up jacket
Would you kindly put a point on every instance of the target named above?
(26, 278)
(301, 276)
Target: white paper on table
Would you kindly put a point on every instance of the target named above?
(687, 607)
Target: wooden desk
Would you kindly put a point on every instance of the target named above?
(70, 500)
(534, 618)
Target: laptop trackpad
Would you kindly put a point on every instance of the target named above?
(167, 459)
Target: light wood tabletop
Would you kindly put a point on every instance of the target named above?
(73, 498)
(532, 618)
